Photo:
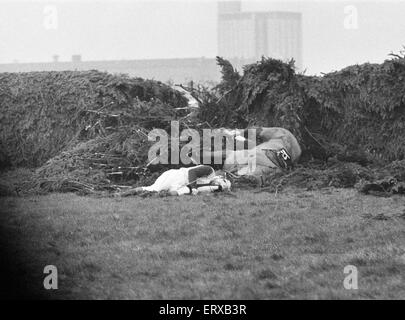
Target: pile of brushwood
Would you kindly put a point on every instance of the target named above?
(350, 123)
(43, 113)
(82, 131)
(353, 112)
(87, 131)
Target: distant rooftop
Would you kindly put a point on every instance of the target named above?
(179, 70)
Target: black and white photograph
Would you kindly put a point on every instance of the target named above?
(181, 151)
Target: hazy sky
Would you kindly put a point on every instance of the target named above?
(98, 30)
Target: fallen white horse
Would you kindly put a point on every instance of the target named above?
(278, 149)
(193, 180)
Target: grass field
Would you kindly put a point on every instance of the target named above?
(243, 245)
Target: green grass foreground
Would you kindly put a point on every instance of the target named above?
(245, 245)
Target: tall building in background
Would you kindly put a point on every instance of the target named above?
(229, 7)
(247, 36)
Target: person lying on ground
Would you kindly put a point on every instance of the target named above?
(192, 180)
(278, 149)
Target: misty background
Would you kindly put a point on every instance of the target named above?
(106, 30)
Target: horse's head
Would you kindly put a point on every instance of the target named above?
(221, 181)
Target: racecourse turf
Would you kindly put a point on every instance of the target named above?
(244, 245)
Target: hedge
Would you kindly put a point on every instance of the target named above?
(42, 113)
